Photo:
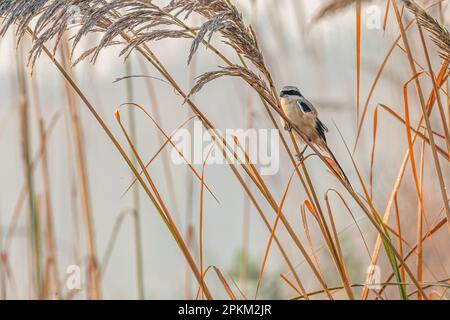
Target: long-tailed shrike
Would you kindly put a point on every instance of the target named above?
(305, 117)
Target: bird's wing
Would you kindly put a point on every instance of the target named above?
(322, 126)
(306, 106)
(321, 129)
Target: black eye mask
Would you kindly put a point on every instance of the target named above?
(292, 93)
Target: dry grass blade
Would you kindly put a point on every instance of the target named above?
(308, 232)
(290, 284)
(421, 216)
(386, 15)
(222, 280)
(399, 241)
(200, 229)
(372, 157)
(416, 178)
(358, 59)
(410, 141)
(275, 225)
(225, 284)
(327, 200)
(338, 255)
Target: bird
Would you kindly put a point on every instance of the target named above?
(304, 115)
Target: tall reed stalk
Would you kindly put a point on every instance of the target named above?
(33, 222)
(83, 184)
(51, 264)
(140, 284)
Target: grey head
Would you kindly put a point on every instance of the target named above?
(290, 92)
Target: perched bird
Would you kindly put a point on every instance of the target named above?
(305, 117)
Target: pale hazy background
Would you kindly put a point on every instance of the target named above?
(321, 62)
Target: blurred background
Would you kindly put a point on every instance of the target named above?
(318, 58)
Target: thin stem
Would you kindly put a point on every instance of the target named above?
(35, 234)
(136, 200)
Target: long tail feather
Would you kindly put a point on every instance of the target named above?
(342, 173)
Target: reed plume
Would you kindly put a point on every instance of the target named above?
(222, 16)
(333, 7)
(438, 33)
(146, 22)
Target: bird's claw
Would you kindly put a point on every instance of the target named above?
(288, 127)
(299, 157)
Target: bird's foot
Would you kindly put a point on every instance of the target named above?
(288, 127)
(299, 157)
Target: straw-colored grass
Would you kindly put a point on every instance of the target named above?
(133, 25)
